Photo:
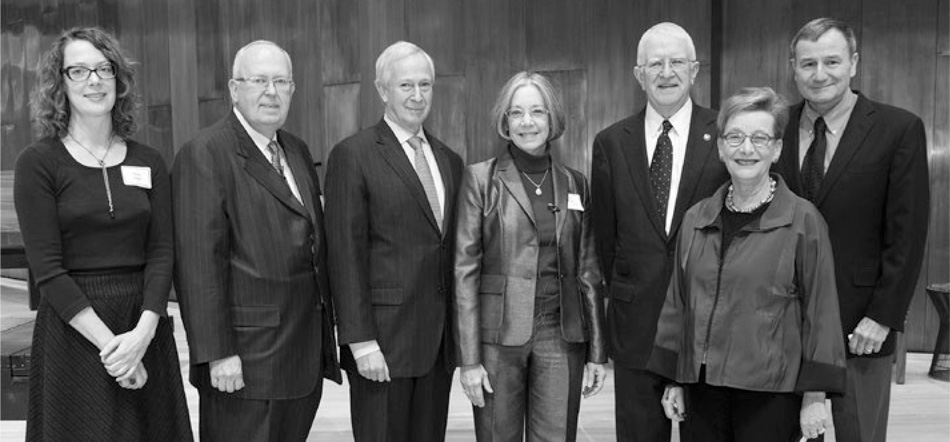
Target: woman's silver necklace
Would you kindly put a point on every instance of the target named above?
(102, 165)
(537, 186)
(732, 206)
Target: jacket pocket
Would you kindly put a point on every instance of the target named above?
(622, 290)
(491, 299)
(392, 296)
(864, 276)
(255, 316)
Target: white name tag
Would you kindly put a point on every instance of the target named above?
(574, 202)
(137, 176)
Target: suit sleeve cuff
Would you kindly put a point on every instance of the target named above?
(817, 376)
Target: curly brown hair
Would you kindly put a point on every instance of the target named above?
(49, 108)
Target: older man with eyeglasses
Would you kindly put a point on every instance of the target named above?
(647, 170)
(251, 272)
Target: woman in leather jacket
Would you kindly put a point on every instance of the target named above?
(750, 330)
(528, 282)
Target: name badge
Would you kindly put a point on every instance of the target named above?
(137, 176)
(574, 202)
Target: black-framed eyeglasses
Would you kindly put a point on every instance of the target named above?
(676, 64)
(81, 73)
(281, 84)
(538, 113)
(735, 139)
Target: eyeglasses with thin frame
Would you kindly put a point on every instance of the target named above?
(281, 84)
(516, 114)
(679, 65)
(735, 139)
(81, 73)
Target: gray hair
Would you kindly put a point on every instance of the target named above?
(397, 51)
(814, 29)
(667, 30)
(241, 53)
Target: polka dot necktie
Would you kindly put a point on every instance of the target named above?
(661, 170)
(813, 168)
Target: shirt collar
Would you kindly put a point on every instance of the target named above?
(258, 138)
(835, 119)
(403, 135)
(679, 120)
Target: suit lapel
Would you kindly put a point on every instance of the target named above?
(562, 186)
(636, 154)
(258, 168)
(301, 170)
(699, 146)
(445, 174)
(509, 177)
(790, 150)
(393, 154)
(852, 139)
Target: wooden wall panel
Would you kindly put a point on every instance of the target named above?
(555, 33)
(294, 26)
(573, 148)
(183, 66)
(938, 269)
(437, 26)
(340, 39)
(612, 56)
(754, 49)
(447, 117)
(342, 114)
(382, 24)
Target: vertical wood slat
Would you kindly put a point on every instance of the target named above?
(299, 37)
(343, 119)
(437, 26)
(555, 34)
(382, 24)
(183, 67)
(573, 149)
(447, 118)
(340, 39)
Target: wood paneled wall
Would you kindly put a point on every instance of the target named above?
(185, 49)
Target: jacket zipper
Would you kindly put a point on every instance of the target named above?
(715, 304)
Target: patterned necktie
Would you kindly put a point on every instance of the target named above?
(661, 170)
(275, 157)
(428, 183)
(813, 168)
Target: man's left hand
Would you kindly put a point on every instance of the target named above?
(867, 337)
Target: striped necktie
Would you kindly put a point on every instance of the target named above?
(428, 183)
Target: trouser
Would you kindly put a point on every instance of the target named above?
(861, 414)
(724, 414)
(227, 418)
(404, 409)
(639, 413)
(537, 387)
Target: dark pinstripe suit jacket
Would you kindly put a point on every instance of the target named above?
(251, 260)
(391, 268)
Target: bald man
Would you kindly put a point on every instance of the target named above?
(251, 269)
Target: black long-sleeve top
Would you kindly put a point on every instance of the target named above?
(64, 218)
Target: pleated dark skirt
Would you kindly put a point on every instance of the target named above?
(73, 398)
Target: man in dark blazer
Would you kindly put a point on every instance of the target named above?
(643, 178)
(390, 206)
(251, 265)
(864, 165)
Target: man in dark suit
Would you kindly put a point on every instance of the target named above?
(864, 165)
(647, 170)
(390, 206)
(251, 267)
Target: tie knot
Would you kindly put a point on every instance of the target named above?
(416, 143)
(272, 147)
(667, 126)
(820, 125)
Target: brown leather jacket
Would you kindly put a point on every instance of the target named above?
(766, 319)
(496, 261)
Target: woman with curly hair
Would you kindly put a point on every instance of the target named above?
(95, 212)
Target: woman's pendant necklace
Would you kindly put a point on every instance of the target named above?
(102, 166)
(537, 186)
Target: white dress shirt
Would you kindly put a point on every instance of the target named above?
(261, 142)
(679, 134)
(403, 136)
